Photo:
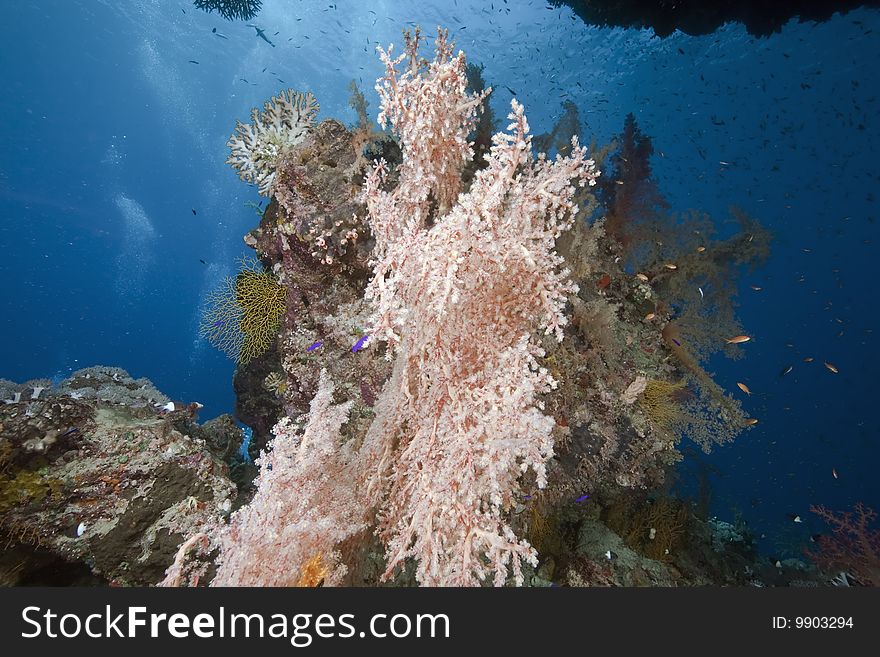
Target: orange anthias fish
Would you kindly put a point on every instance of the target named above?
(831, 367)
(744, 388)
(751, 421)
(739, 339)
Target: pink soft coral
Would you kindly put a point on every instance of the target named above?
(458, 299)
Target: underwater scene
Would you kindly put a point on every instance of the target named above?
(439, 293)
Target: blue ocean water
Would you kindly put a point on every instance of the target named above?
(113, 190)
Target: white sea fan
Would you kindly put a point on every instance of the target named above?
(257, 146)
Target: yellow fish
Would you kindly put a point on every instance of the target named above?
(739, 339)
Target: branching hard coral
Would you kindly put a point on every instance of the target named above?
(256, 147)
(304, 507)
(243, 10)
(459, 287)
(242, 316)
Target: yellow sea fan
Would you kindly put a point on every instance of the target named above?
(242, 316)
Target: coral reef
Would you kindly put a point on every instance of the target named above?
(100, 481)
(475, 307)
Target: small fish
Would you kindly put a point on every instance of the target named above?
(831, 368)
(700, 249)
(649, 317)
(202, 261)
(751, 421)
(786, 370)
(670, 265)
(834, 473)
(794, 517)
(743, 387)
(809, 359)
(609, 555)
(218, 323)
(756, 288)
(738, 339)
(702, 296)
(642, 278)
(315, 345)
(194, 211)
(192, 61)
(582, 498)
(677, 343)
(360, 343)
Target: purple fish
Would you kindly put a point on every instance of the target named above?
(583, 498)
(315, 346)
(360, 343)
(218, 323)
(677, 343)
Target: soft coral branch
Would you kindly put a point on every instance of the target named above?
(853, 546)
(459, 297)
